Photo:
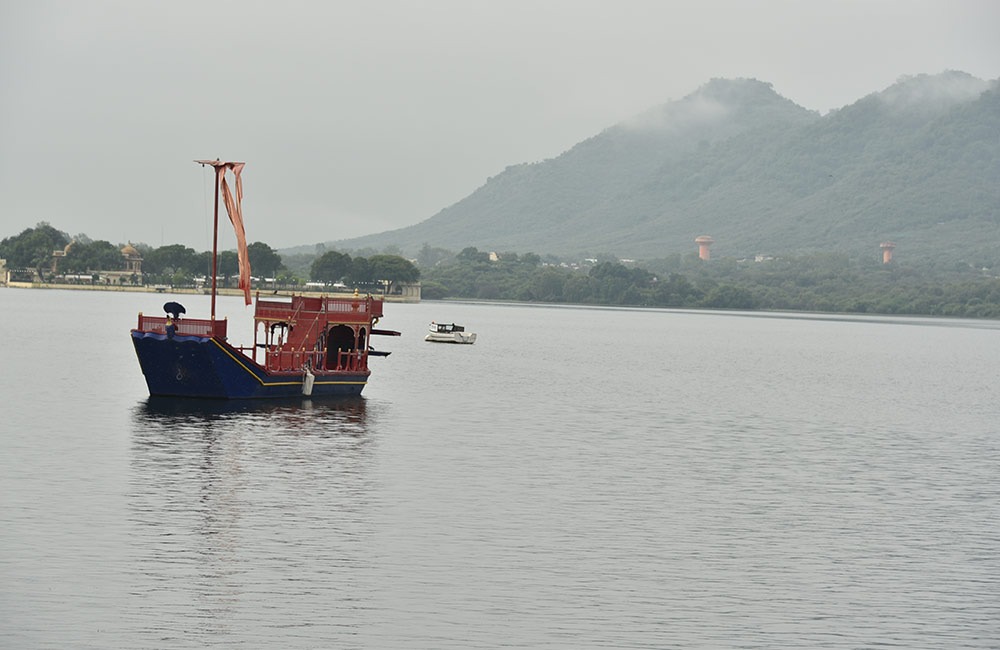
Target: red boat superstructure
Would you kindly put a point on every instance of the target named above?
(303, 345)
(324, 334)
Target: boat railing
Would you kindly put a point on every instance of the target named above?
(351, 360)
(186, 326)
(363, 305)
(281, 360)
(246, 350)
(347, 310)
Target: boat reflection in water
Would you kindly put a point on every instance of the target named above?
(178, 434)
(221, 492)
(174, 437)
(154, 408)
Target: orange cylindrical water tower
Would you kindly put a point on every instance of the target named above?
(887, 247)
(703, 243)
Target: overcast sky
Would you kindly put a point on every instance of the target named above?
(358, 117)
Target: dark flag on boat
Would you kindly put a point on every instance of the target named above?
(174, 308)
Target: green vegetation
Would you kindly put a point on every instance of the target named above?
(332, 266)
(825, 282)
(264, 260)
(817, 282)
(178, 265)
(84, 255)
(32, 249)
(369, 273)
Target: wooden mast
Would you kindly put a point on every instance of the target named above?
(215, 235)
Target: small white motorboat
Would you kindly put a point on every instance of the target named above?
(449, 333)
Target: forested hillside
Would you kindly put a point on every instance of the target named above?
(918, 163)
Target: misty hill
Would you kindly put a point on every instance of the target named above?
(917, 163)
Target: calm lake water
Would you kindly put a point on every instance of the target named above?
(577, 478)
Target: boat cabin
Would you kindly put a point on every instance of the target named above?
(446, 328)
(321, 333)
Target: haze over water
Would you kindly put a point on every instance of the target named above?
(577, 478)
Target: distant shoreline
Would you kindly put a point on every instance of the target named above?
(189, 291)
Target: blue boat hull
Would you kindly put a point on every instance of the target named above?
(204, 367)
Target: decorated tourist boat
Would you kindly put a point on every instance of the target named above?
(449, 333)
(302, 345)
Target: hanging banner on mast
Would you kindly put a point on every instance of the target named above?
(235, 210)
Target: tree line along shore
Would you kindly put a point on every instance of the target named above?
(811, 282)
